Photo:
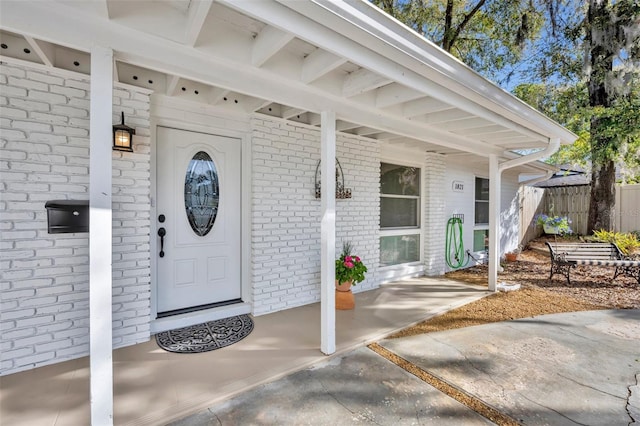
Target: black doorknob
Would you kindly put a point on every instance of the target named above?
(161, 233)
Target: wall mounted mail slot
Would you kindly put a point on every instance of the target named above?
(67, 216)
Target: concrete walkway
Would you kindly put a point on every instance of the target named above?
(154, 387)
(566, 369)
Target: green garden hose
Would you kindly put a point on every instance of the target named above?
(454, 240)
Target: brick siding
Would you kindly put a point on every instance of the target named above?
(44, 155)
(286, 215)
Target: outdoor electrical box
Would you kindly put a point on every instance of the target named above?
(67, 216)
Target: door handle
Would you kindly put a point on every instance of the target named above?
(161, 233)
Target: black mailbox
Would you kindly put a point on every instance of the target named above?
(65, 216)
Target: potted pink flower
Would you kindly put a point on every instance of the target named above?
(349, 269)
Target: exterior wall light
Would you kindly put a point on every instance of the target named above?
(123, 137)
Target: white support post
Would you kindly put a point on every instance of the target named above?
(494, 221)
(100, 174)
(328, 233)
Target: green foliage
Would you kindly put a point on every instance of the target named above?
(487, 35)
(626, 242)
(349, 267)
(619, 124)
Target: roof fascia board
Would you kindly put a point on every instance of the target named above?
(63, 25)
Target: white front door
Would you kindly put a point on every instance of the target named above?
(198, 220)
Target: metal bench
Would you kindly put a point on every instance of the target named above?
(565, 256)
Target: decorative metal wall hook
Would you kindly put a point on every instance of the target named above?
(341, 191)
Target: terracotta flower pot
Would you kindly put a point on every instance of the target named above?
(345, 286)
(511, 257)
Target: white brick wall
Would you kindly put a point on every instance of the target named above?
(464, 202)
(434, 214)
(44, 155)
(286, 214)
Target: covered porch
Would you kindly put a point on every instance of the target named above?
(152, 386)
(338, 70)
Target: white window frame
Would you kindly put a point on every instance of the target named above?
(478, 226)
(405, 230)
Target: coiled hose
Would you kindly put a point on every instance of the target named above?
(454, 245)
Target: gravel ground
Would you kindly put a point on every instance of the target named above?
(591, 288)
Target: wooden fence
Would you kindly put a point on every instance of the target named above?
(573, 202)
(531, 199)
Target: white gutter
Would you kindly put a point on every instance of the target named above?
(552, 147)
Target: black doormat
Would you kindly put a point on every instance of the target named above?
(206, 337)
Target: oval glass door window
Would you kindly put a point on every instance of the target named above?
(201, 193)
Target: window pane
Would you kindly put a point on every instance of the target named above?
(398, 212)
(399, 249)
(480, 240)
(482, 189)
(201, 193)
(399, 180)
(482, 212)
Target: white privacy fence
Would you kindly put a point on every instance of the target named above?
(573, 202)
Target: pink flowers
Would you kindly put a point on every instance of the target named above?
(349, 268)
(348, 261)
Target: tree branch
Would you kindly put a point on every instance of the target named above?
(466, 20)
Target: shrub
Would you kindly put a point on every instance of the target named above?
(626, 242)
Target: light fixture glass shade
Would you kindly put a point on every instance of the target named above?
(123, 137)
(122, 140)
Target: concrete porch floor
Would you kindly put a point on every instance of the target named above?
(154, 387)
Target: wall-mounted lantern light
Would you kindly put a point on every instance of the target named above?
(123, 137)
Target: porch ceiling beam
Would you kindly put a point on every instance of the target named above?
(386, 136)
(413, 63)
(198, 12)
(318, 63)
(394, 93)
(255, 104)
(44, 50)
(507, 138)
(52, 22)
(524, 145)
(423, 106)
(343, 126)
(482, 127)
(367, 131)
(287, 113)
(361, 81)
(172, 85)
(456, 115)
(458, 127)
(360, 22)
(267, 43)
(314, 118)
(216, 94)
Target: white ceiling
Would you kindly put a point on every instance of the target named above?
(222, 54)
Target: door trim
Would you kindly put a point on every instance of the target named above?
(183, 320)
